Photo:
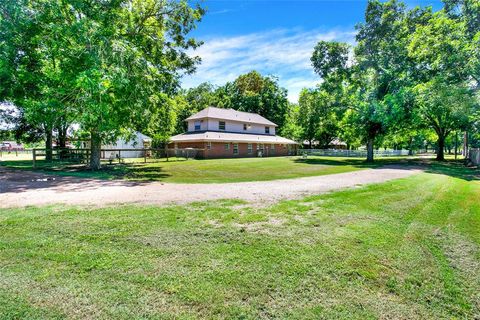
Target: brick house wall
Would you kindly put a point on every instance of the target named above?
(220, 150)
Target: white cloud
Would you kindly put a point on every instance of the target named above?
(283, 53)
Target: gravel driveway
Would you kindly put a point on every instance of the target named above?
(24, 188)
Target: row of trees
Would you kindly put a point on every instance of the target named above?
(411, 71)
(112, 67)
(413, 77)
(109, 66)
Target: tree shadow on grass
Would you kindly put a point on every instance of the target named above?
(146, 173)
(453, 168)
(74, 178)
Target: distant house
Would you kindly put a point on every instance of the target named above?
(227, 133)
(11, 146)
(337, 144)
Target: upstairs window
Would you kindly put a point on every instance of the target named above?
(244, 127)
(267, 130)
(221, 125)
(198, 125)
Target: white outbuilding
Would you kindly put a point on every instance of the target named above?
(139, 141)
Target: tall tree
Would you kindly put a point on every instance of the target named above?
(123, 59)
(29, 63)
(445, 108)
(383, 62)
(319, 116)
(253, 92)
(442, 52)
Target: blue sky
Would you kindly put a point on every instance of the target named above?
(272, 37)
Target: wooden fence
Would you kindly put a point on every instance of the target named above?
(117, 155)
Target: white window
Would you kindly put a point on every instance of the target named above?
(197, 125)
(272, 147)
(260, 146)
(235, 148)
(209, 145)
(221, 125)
(227, 146)
(267, 129)
(250, 148)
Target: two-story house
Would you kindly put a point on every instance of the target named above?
(227, 133)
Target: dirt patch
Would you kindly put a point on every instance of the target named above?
(22, 188)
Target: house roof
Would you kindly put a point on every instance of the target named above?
(213, 136)
(230, 114)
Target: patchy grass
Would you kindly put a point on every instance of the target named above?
(203, 171)
(231, 170)
(405, 249)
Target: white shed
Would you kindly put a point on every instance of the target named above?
(139, 141)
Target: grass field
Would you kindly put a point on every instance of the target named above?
(406, 249)
(220, 170)
(205, 171)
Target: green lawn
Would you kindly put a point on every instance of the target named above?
(206, 171)
(406, 249)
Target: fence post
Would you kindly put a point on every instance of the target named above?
(34, 154)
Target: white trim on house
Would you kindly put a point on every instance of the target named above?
(232, 115)
(211, 136)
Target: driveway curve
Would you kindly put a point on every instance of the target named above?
(22, 188)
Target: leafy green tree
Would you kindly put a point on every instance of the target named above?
(122, 60)
(442, 52)
(318, 116)
(190, 101)
(384, 67)
(253, 92)
(330, 59)
(445, 108)
(29, 65)
(291, 128)
(309, 115)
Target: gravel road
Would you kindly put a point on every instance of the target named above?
(23, 188)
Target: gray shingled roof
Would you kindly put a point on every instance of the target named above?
(214, 136)
(230, 114)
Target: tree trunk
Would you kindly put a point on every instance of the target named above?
(95, 150)
(410, 146)
(440, 147)
(310, 144)
(456, 144)
(48, 145)
(62, 141)
(465, 144)
(370, 149)
(62, 136)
